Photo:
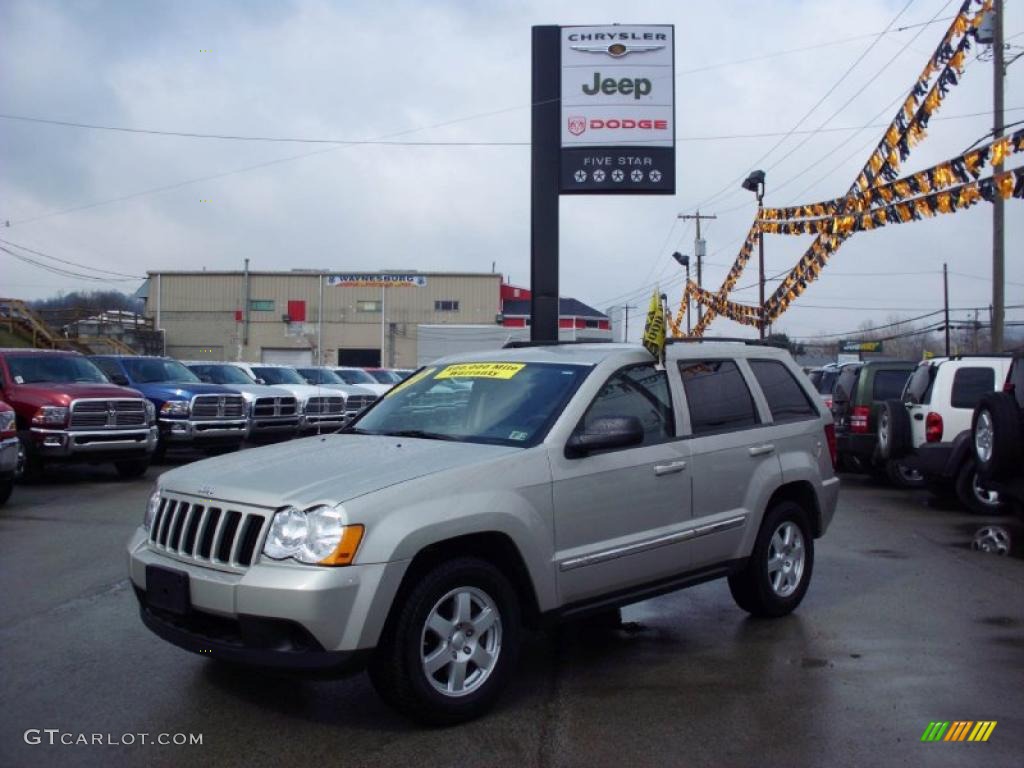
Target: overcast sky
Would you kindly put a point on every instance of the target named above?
(460, 71)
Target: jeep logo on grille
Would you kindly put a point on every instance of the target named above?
(205, 490)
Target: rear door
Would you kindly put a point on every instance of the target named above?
(732, 456)
(917, 397)
(886, 384)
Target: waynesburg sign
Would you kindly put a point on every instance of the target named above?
(617, 110)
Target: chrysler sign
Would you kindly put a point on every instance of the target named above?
(617, 110)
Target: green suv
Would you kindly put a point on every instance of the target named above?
(860, 391)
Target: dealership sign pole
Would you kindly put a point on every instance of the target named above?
(603, 123)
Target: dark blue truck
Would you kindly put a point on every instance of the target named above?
(190, 414)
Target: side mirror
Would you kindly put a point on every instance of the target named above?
(604, 434)
(261, 381)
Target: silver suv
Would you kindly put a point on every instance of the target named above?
(489, 492)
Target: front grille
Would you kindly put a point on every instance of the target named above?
(206, 533)
(325, 406)
(274, 406)
(106, 414)
(218, 407)
(358, 402)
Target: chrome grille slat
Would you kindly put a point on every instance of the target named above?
(166, 522)
(218, 407)
(94, 414)
(218, 532)
(236, 546)
(224, 537)
(182, 532)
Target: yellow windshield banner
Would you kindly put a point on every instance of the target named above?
(481, 371)
(654, 331)
(409, 381)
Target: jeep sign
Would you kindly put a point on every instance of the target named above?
(617, 110)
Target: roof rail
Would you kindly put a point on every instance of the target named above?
(733, 339)
(524, 344)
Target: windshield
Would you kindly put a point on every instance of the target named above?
(320, 376)
(384, 377)
(827, 381)
(278, 375)
(500, 403)
(30, 369)
(355, 376)
(221, 374)
(155, 370)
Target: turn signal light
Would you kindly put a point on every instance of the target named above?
(859, 419)
(933, 428)
(830, 438)
(347, 546)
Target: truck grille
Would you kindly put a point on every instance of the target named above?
(274, 406)
(206, 533)
(93, 414)
(218, 407)
(358, 402)
(325, 406)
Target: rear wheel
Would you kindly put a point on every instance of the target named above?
(450, 645)
(776, 577)
(996, 435)
(975, 495)
(128, 470)
(902, 476)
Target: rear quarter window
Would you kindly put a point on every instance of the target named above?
(717, 396)
(919, 386)
(787, 400)
(888, 384)
(969, 384)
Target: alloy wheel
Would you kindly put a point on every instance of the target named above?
(984, 495)
(461, 641)
(983, 434)
(786, 557)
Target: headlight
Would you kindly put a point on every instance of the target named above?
(7, 424)
(174, 408)
(150, 412)
(51, 416)
(316, 536)
(151, 510)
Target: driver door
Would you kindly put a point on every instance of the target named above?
(618, 512)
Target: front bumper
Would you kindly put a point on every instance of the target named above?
(303, 610)
(86, 444)
(188, 431)
(274, 425)
(326, 421)
(8, 456)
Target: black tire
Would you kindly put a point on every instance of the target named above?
(131, 469)
(894, 436)
(902, 476)
(971, 492)
(6, 487)
(397, 668)
(752, 587)
(159, 454)
(220, 450)
(29, 467)
(1004, 436)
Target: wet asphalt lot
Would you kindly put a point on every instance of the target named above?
(903, 624)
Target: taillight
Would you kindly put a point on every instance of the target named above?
(933, 428)
(830, 438)
(859, 418)
(828, 403)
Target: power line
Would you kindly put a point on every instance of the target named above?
(71, 263)
(63, 272)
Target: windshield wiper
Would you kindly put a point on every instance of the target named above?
(422, 434)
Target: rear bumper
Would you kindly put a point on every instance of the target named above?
(934, 461)
(91, 444)
(8, 456)
(199, 432)
(860, 445)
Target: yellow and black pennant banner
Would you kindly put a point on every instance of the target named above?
(654, 329)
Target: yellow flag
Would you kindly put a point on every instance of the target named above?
(654, 329)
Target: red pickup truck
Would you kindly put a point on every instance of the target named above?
(68, 411)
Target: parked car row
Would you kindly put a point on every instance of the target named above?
(951, 424)
(61, 406)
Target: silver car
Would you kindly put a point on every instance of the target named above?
(490, 492)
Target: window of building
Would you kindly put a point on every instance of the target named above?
(969, 384)
(592, 324)
(261, 305)
(786, 398)
(717, 396)
(446, 305)
(641, 391)
(368, 306)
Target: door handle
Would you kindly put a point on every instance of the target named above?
(761, 450)
(670, 468)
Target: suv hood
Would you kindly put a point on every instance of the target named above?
(323, 470)
(251, 391)
(64, 393)
(183, 390)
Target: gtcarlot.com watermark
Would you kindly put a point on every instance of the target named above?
(55, 736)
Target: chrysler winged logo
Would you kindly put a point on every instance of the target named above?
(617, 50)
(205, 490)
(577, 125)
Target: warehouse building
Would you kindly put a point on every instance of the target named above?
(305, 316)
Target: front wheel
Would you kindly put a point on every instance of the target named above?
(775, 578)
(450, 645)
(28, 467)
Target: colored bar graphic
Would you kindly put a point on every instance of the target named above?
(958, 730)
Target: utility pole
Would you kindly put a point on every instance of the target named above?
(998, 254)
(698, 251)
(625, 332)
(945, 302)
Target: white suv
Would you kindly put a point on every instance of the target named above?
(930, 429)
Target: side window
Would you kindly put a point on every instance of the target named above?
(888, 385)
(109, 367)
(786, 398)
(717, 396)
(969, 384)
(641, 391)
